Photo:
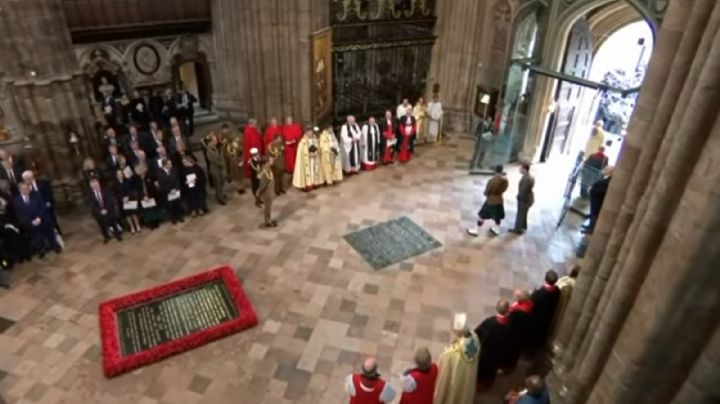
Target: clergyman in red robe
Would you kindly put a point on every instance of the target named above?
(292, 133)
(271, 130)
(251, 139)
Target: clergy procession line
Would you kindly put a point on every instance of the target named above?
(472, 362)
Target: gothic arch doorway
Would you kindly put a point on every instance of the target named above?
(194, 73)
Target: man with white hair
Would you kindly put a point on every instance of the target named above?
(42, 188)
(458, 366)
(350, 136)
(368, 387)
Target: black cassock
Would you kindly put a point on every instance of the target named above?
(545, 301)
(496, 350)
(521, 326)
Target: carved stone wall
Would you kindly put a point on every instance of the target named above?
(144, 62)
(262, 53)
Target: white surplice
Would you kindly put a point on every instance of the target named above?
(370, 145)
(435, 114)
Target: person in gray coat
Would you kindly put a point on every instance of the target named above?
(525, 199)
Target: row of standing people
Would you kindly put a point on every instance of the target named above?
(475, 358)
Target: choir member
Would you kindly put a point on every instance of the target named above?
(251, 140)
(350, 135)
(435, 114)
(495, 351)
(370, 145)
(408, 128)
(402, 108)
(545, 300)
(420, 114)
(330, 157)
(521, 323)
(271, 130)
(308, 174)
(418, 384)
(389, 138)
(292, 133)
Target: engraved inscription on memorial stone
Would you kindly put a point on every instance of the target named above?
(147, 325)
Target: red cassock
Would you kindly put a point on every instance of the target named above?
(291, 134)
(424, 387)
(367, 391)
(251, 139)
(388, 137)
(407, 132)
(270, 133)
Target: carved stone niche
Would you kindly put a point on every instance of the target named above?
(148, 63)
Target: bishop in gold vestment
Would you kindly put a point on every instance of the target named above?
(307, 174)
(330, 157)
(458, 365)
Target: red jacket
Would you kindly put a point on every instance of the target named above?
(367, 391)
(424, 387)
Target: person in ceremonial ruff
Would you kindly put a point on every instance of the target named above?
(458, 366)
(389, 139)
(420, 114)
(330, 157)
(368, 387)
(418, 384)
(496, 353)
(350, 136)
(370, 143)
(265, 191)
(292, 133)
(435, 115)
(271, 130)
(276, 152)
(251, 140)
(408, 128)
(307, 175)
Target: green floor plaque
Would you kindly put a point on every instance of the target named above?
(155, 322)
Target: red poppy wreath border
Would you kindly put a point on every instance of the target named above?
(115, 364)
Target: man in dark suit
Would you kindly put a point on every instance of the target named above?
(597, 198)
(11, 174)
(177, 140)
(155, 141)
(105, 211)
(169, 108)
(169, 186)
(110, 139)
(186, 109)
(33, 217)
(112, 162)
(156, 103)
(43, 188)
(139, 110)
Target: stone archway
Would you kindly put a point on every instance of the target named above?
(554, 47)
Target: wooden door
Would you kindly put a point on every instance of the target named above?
(578, 59)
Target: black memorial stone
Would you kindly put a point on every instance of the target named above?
(168, 318)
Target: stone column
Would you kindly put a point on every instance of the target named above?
(262, 53)
(455, 58)
(650, 273)
(48, 90)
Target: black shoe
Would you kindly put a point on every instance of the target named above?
(5, 285)
(241, 191)
(118, 237)
(222, 202)
(106, 240)
(273, 223)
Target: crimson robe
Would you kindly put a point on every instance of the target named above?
(270, 132)
(291, 134)
(251, 138)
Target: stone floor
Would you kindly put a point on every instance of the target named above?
(321, 307)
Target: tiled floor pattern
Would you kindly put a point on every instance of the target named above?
(321, 306)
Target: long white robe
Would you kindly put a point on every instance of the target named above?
(435, 114)
(370, 146)
(350, 136)
(402, 110)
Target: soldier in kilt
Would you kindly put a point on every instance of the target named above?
(493, 208)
